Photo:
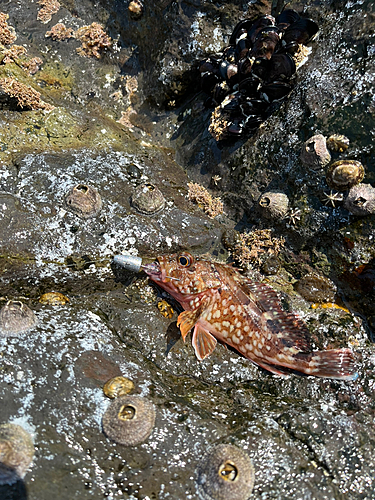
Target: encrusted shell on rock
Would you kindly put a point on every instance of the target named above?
(84, 201)
(148, 199)
(273, 205)
(344, 174)
(15, 317)
(53, 299)
(16, 453)
(129, 420)
(136, 8)
(226, 472)
(118, 386)
(337, 143)
(361, 200)
(314, 152)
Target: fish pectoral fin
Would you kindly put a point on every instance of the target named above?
(186, 320)
(203, 342)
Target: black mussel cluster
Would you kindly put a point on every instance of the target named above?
(254, 71)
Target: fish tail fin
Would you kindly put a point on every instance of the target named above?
(334, 363)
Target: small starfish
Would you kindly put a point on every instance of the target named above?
(333, 198)
(294, 216)
(216, 179)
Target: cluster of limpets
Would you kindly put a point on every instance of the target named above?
(342, 176)
(226, 472)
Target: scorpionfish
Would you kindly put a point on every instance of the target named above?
(221, 304)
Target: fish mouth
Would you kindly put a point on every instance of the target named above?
(153, 270)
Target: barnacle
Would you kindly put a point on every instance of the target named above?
(226, 472)
(16, 453)
(16, 317)
(83, 200)
(148, 199)
(314, 152)
(129, 420)
(273, 205)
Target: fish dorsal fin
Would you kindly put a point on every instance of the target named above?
(203, 342)
(287, 326)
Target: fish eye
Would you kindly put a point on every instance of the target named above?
(185, 260)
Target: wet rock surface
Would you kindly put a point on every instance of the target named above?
(135, 116)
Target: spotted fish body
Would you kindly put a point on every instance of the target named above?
(220, 303)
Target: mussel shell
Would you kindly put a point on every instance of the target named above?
(300, 32)
(248, 86)
(240, 28)
(253, 121)
(286, 18)
(282, 67)
(261, 68)
(220, 91)
(276, 90)
(244, 67)
(258, 25)
(251, 107)
(242, 48)
(266, 42)
(344, 174)
(235, 128)
(208, 82)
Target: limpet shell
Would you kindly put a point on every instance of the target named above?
(84, 201)
(274, 205)
(118, 386)
(53, 299)
(226, 472)
(16, 317)
(129, 420)
(361, 200)
(16, 453)
(315, 288)
(314, 152)
(148, 199)
(344, 174)
(338, 143)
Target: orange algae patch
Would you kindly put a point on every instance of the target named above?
(94, 39)
(329, 305)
